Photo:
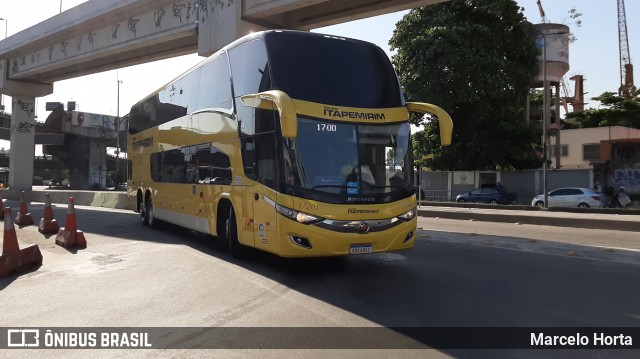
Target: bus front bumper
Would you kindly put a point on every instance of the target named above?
(341, 238)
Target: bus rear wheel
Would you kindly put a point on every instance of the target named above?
(150, 215)
(143, 214)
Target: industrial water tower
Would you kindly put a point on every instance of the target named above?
(553, 42)
(553, 62)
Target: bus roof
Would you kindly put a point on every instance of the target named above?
(249, 37)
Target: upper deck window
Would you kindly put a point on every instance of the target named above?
(332, 71)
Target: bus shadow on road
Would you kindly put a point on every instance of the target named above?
(436, 284)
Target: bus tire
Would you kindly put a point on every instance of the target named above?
(153, 222)
(231, 233)
(143, 213)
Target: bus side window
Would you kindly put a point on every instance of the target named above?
(250, 68)
(156, 167)
(214, 166)
(265, 158)
(188, 91)
(250, 73)
(249, 157)
(215, 86)
(265, 145)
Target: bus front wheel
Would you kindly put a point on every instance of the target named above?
(231, 233)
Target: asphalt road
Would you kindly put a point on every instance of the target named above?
(460, 273)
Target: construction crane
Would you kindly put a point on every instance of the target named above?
(541, 10)
(626, 68)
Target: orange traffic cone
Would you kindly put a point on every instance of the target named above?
(1, 206)
(70, 236)
(48, 224)
(13, 259)
(24, 217)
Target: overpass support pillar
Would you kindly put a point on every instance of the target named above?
(98, 163)
(22, 151)
(23, 126)
(220, 25)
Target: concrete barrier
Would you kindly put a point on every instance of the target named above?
(107, 199)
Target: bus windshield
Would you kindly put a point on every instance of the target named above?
(348, 162)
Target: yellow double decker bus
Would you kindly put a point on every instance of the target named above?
(290, 142)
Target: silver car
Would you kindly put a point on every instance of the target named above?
(573, 197)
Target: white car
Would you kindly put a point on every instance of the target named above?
(573, 197)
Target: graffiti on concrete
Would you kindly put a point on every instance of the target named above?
(25, 127)
(132, 26)
(91, 39)
(34, 57)
(91, 36)
(79, 40)
(63, 47)
(177, 10)
(204, 10)
(215, 4)
(222, 3)
(157, 17)
(179, 7)
(629, 178)
(114, 31)
(26, 107)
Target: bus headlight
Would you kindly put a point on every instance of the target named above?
(297, 216)
(407, 216)
(307, 218)
(293, 214)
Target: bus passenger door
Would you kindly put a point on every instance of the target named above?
(265, 218)
(266, 175)
(248, 220)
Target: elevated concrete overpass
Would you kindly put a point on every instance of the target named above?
(102, 35)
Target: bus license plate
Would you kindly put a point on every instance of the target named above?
(360, 249)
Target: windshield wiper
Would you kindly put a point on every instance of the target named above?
(327, 186)
(314, 188)
(403, 189)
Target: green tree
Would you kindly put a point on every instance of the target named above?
(616, 111)
(475, 59)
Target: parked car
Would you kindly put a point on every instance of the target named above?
(55, 184)
(493, 195)
(573, 197)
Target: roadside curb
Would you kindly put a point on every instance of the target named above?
(543, 219)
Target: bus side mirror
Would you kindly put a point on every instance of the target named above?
(444, 120)
(284, 104)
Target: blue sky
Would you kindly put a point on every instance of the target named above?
(594, 54)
